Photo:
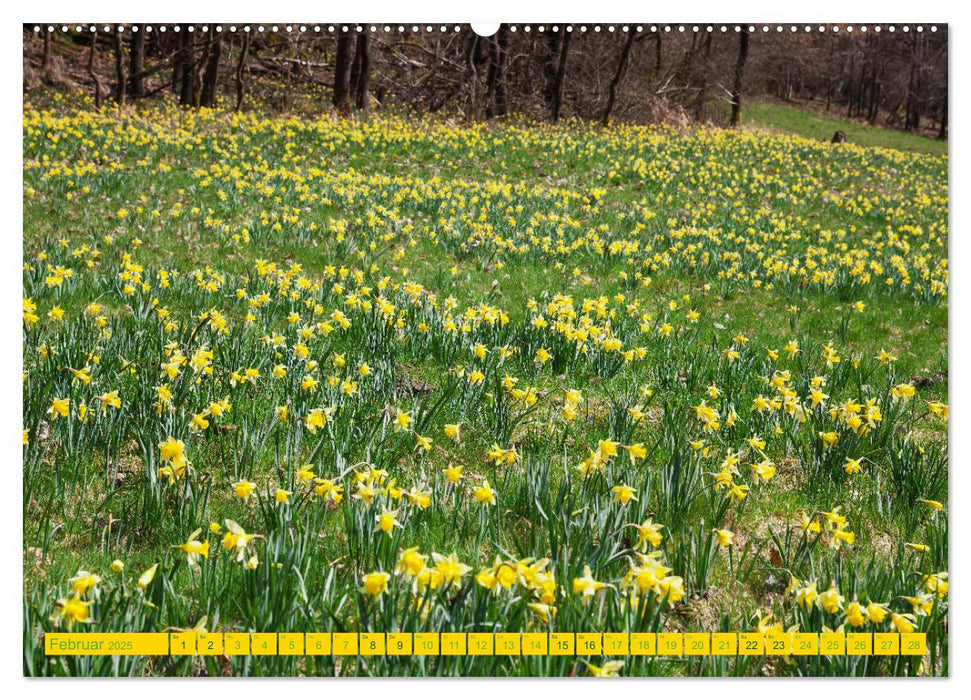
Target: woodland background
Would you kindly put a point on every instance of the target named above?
(638, 73)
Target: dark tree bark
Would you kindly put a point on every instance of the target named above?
(942, 133)
(873, 111)
(355, 72)
(342, 74)
(618, 76)
(914, 88)
(362, 81)
(46, 60)
(657, 51)
(739, 73)
(120, 88)
(560, 78)
(496, 79)
(550, 61)
(240, 69)
(186, 70)
(704, 79)
(178, 65)
(98, 96)
(829, 77)
(210, 79)
(136, 79)
(198, 68)
(472, 77)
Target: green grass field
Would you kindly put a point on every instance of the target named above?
(811, 125)
(287, 373)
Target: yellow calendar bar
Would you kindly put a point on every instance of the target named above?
(106, 644)
(616, 644)
(643, 644)
(562, 644)
(832, 644)
(670, 644)
(805, 644)
(209, 644)
(778, 644)
(536, 644)
(508, 644)
(724, 644)
(454, 644)
(481, 644)
(291, 644)
(913, 644)
(400, 643)
(427, 644)
(585, 644)
(590, 643)
(697, 644)
(236, 643)
(182, 643)
(317, 644)
(371, 644)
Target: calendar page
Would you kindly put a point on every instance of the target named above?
(523, 349)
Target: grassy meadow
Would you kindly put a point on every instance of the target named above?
(293, 373)
(774, 116)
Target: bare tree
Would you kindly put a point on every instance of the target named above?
(361, 72)
(898, 81)
(184, 73)
(496, 79)
(472, 76)
(618, 76)
(98, 95)
(942, 132)
(704, 76)
(913, 86)
(342, 74)
(240, 69)
(136, 79)
(45, 62)
(559, 77)
(743, 38)
(120, 68)
(210, 78)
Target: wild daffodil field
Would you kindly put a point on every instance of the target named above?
(302, 374)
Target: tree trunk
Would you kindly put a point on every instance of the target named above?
(502, 51)
(849, 89)
(184, 57)
(210, 79)
(739, 73)
(136, 81)
(942, 134)
(342, 74)
(618, 76)
(829, 77)
(120, 68)
(472, 78)
(177, 66)
(240, 68)
(875, 95)
(362, 57)
(550, 56)
(657, 51)
(702, 99)
(914, 87)
(355, 72)
(91, 74)
(496, 79)
(560, 78)
(46, 60)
